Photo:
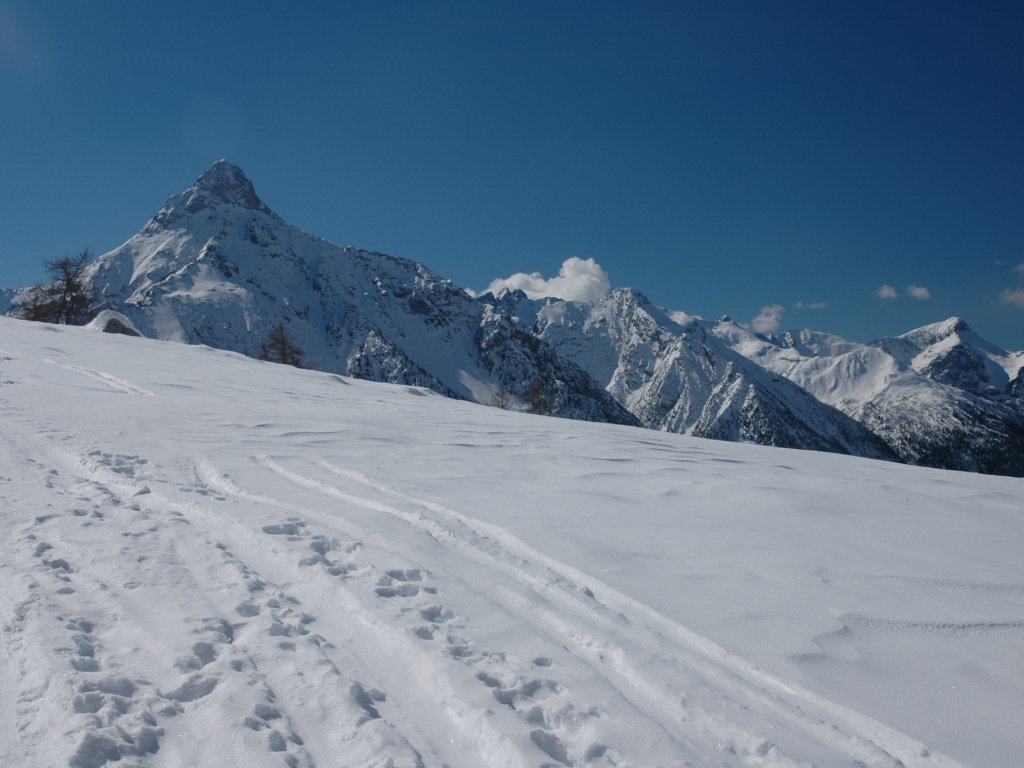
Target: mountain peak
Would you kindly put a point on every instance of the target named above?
(935, 332)
(221, 172)
(954, 325)
(222, 183)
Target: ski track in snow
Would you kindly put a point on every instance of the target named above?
(686, 704)
(254, 603)
(566, 593)
(108, 380)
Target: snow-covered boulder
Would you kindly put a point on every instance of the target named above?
(109, 321)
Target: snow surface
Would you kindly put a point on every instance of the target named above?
(212, 561)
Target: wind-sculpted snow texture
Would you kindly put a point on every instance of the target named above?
(215, 266)
(206, 560)
(679, 377)
(940, 395)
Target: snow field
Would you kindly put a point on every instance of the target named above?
(213, 561)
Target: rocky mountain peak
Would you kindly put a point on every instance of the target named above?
(956, 325)
(223, 182)
(221, 185)
(936, 332)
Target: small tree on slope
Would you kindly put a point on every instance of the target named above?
(278, 347)
(67, 298)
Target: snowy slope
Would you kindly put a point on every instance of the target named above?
(216, 266)
(675, 376)
(939, 395)
(211, 561)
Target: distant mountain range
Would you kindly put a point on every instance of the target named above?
(216, 266)
(939, 396)
(675, 374)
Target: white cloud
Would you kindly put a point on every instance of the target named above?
(811, 305)
(768, 319)
(887, 292)
(1014, 298)
(918, 292)
(1019, 268)
(578, 280)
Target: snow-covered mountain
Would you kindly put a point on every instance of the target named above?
(939, 395)
(674, 375)
(216, 266)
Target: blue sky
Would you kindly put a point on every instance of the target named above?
(721, 157)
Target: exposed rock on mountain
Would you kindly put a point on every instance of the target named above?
(216, 266)
(940, 395)
(676, 376)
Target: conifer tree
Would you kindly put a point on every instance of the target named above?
(67, 298)
(278, 347)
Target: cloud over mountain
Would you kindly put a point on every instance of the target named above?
(1014, 298)
(577, 280)
(768, 319)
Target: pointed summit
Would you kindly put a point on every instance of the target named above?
(935, 332)
(222, 183)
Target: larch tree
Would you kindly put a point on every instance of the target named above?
(67, 298)
(278, 347)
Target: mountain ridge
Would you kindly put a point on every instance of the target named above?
(679, 378)
(939, 395)
(215, 265)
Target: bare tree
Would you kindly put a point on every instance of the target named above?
(501, 398)
(539, 397)
(278, 347)
(35, 305)
(67, 298)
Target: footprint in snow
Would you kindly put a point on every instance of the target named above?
(547, 709)
(437, 614)
(119, 714)
(291, 528)
(57, 566)
(120, 463)
(321, 546)
(365, 699)
(196, 687)
(280, 737)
